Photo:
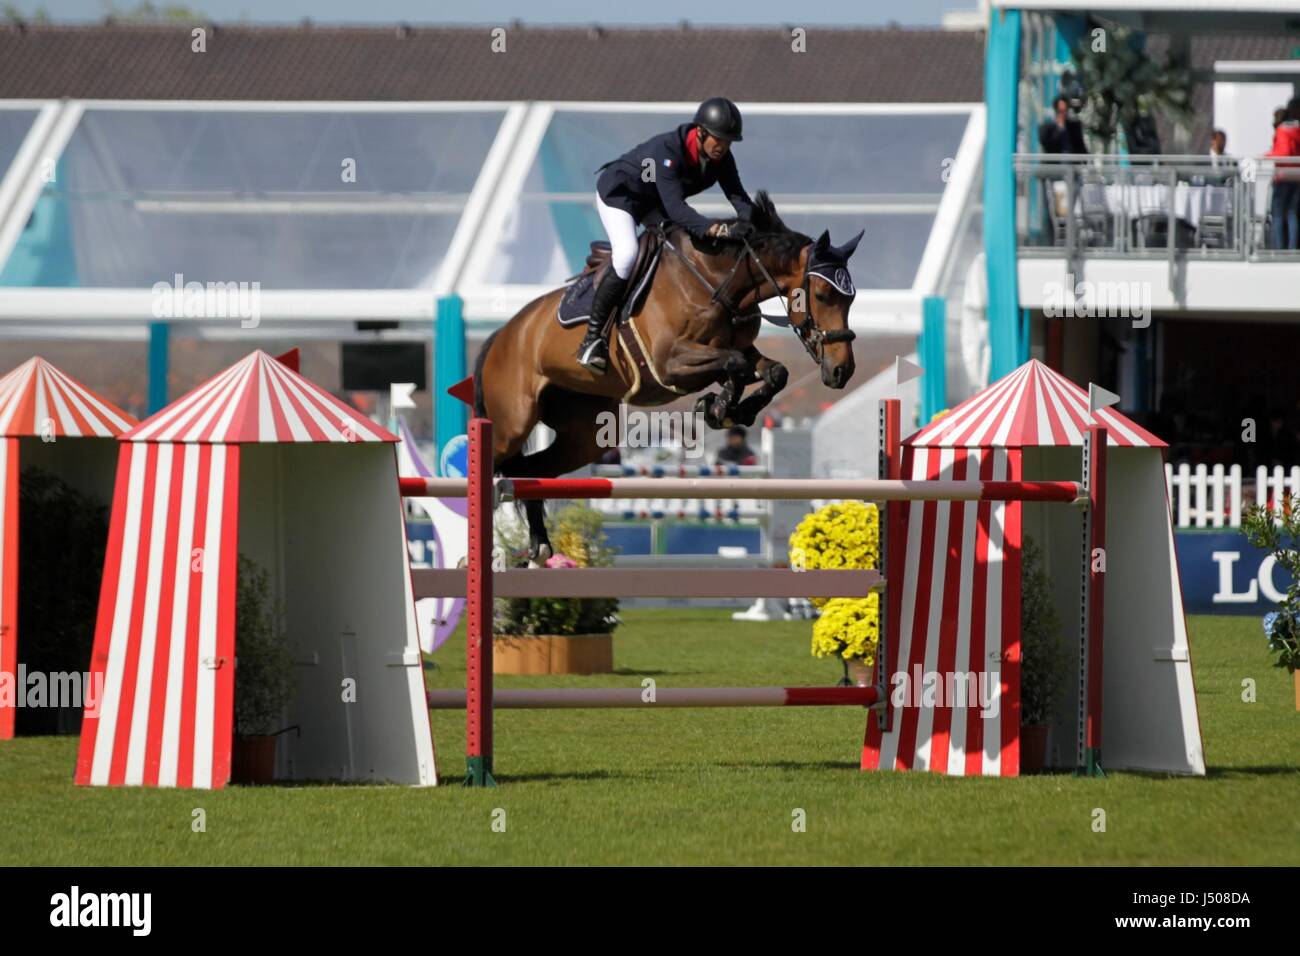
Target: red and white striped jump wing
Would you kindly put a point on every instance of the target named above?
(258, 399)
(1032, 406)
(39, 400)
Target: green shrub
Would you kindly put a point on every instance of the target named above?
(1044, 663)
(264, 682)
(63, 534)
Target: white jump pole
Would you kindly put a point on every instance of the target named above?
(568, 698)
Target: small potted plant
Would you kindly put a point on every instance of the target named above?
(557, 635)
(843, 534)
(1279, 532)
(1044, 666)
(263, 677)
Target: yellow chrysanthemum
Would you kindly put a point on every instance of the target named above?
(848, 628)
(844, 534)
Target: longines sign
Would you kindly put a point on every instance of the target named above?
(1222, 574)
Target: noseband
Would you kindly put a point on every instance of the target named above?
(814, 339)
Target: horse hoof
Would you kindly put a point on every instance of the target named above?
(539, 557)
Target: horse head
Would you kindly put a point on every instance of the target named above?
(819, 292)
(828, 294)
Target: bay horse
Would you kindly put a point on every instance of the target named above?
(695, 327)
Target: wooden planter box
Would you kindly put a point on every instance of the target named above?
(1033, 748)
(554, 654)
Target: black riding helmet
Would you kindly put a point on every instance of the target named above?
(719, 116)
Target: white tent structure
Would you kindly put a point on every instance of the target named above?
(955, 588)
(50, 421)
(257, 462)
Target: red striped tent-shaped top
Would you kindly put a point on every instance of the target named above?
(1032, 407)
(43, 414)
(258, 461)
(258, 399)
(953, 636)
(38, 400)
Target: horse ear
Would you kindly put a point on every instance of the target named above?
(823, 241)
(846, 251)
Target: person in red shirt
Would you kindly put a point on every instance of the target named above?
(1285, 209)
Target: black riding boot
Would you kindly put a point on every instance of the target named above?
(594, 352)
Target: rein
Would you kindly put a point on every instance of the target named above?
(813, 339)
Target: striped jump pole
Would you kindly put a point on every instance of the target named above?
(1092, 617)
(478, 608)
(772, 489)
(569, 698)
(679, 471)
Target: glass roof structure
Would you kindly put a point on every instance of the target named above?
(347, 211)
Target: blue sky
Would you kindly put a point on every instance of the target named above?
(613, 12)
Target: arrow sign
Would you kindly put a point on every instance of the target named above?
(905, 371)
(1099, 398)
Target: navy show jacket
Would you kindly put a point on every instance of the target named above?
(621, 185)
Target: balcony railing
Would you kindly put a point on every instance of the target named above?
(1215, 497)
(1151, 206)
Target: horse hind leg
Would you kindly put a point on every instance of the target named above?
(539, 542)
(575, 421)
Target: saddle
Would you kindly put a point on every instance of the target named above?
(575, 305)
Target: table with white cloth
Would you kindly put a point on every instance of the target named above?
(1133, 200)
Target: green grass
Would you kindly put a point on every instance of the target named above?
(703, 786)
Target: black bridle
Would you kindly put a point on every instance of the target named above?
(814, 339)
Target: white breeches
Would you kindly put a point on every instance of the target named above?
(621, 229)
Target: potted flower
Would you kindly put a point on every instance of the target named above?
(263, 677)
(1279, 532)
(557, 635)
(1044, 666)
(843, 534)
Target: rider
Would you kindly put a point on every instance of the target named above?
(649, 184)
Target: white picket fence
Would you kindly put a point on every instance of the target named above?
(1202, 497)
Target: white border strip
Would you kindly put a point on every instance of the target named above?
(961, 188)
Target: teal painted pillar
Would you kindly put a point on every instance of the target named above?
(450, 415)
(932, 352)
(159, 360)
(1001, 80)
(1071, 30)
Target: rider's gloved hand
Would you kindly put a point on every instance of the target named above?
(731, 230)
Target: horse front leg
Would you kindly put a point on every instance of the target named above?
(692, 366)
(772, 375)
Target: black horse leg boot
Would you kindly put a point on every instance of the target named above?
(593, 353)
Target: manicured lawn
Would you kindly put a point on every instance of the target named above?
(703, 786)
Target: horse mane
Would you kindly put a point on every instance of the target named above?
(773, 237)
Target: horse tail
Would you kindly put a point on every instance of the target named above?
(480, 406)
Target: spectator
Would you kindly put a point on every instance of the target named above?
(1142, 136)
(737, 451)
(1285, 207)
(1062, 134)
(1218, 147)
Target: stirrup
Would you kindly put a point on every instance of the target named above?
(594, 355)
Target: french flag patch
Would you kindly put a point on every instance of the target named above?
(668, 163)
